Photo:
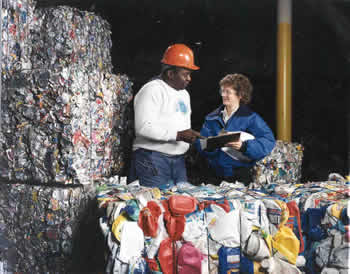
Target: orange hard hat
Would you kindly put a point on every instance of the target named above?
(179, 55)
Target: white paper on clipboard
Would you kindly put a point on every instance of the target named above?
(235, 154)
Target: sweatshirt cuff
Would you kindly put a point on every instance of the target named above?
(172, 135)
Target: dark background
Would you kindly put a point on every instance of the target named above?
(229, 36)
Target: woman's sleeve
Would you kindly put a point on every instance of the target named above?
(264, 140)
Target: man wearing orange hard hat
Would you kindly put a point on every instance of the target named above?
(163, 131)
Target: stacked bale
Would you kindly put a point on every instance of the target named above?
(227, 228)
(64, 116)
(281, 166)
(63, 120)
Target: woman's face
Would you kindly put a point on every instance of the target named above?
(229, 96)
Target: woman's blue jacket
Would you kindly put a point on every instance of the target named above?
(244, 119)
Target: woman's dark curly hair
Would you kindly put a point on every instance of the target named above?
(240, 84)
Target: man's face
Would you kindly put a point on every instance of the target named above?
(179, 78)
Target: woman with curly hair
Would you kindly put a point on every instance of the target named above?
(233, 162)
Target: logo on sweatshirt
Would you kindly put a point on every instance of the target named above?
(181, 106)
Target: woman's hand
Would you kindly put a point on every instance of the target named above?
(236, 145)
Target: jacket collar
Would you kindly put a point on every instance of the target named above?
(243, 110)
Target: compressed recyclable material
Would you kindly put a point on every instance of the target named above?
(228, 228)
(64, 120)
(67, 37)
(38, 227)
(64, 114)
(16, 49)
(281, 166)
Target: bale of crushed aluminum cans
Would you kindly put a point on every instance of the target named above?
(16, 17)
(38, 227)
(67, 37)
(281, 166)
(63, 119)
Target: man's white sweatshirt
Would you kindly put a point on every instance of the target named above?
(160, 112)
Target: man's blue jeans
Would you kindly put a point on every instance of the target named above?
(156, 169)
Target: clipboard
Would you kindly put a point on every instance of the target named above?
(214, 142)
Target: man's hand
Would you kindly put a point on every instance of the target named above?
(188, 136)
